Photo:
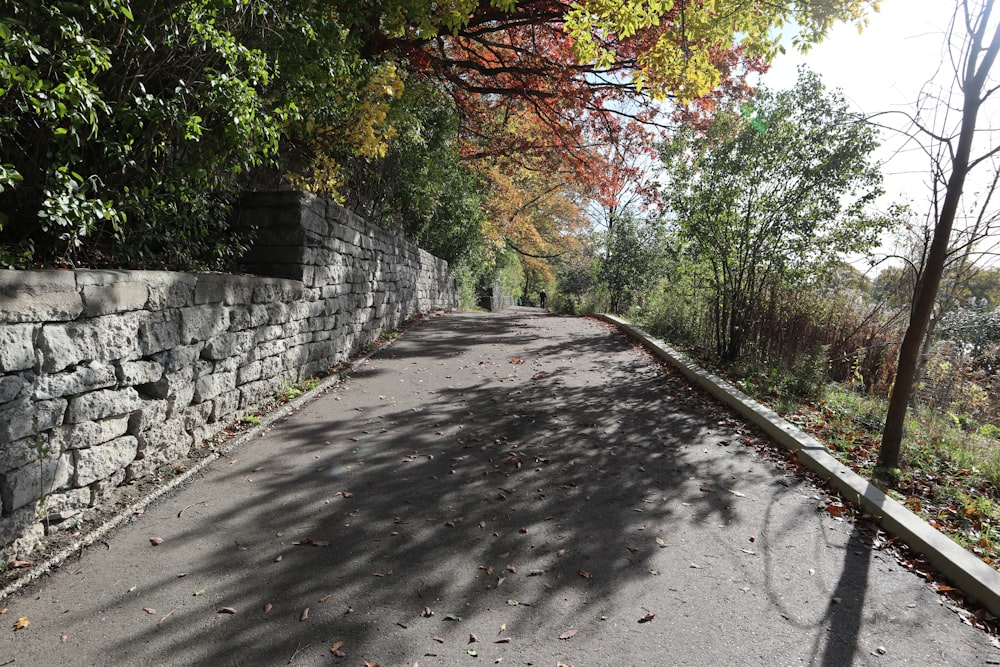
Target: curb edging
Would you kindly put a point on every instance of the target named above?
(973, 576)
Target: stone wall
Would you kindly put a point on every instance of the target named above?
(106, 376)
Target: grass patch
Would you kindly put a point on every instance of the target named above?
(950, 476)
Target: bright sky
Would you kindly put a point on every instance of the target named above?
(881, 69)
(884, 69)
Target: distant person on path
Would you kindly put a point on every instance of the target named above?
(541, 298)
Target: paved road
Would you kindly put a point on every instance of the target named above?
(521, 476)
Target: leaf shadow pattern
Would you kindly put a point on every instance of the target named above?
(501, 471)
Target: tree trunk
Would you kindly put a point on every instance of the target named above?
(973, 80)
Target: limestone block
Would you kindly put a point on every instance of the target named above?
(196, 415)
(39, 296)
(29, 483)
(168, 289)
(133, 373)
(16, 526)
(102, 461)
(277, 312)
(228, 345)
(269, 349)
(212, 385)
(23, 418)
(228, 365)
(200, 323)
(166, 442)
(277, 289)
(104, 338)
(181, 389)
(10, 387)
(225, 407)
(268, 333)
(159, 331)
(181, 357)
(242, 318)
(248, 373)
(61, 506)
(95, 375)
(151, 414)
(224, 289)
(102, 403)
(22, 452)
(102, 488)
(203, 367)
(29, 540)
(270, 366)
(88, 434)
(17, 348)
(106, 292)
(298, 311)
(255, 393)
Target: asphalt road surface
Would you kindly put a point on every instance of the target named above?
(515, 489)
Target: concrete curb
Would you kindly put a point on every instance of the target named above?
(267, 420)
(977, 579)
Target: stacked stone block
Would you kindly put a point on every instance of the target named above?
(106, 376)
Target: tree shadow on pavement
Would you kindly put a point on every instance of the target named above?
(484, 470)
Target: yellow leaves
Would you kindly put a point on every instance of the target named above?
(688, 35)
(22, 623)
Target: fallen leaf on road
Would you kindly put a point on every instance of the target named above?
(472, 638)
(63, 638)
(705, 488)
(371, 664)
(22, 623)
(452, 617)
(426, 612)
(314, 542)
(200, 591)
(335, 649)
(695, 566)
(567, 634)
(267, 608)
(326, 597)
(473, 652)
(503, 628)
(515, 360)
(659, 541)
(437, 639)
(156, 541)
(647, 618)
(304, 615)
(15, 564)
(227, 610)
(585, 574)
(510, 568)
(502, 640)
(149, 610)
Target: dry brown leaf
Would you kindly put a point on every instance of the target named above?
(336, 647)
(502, 640)
(427, 612)
(267, 608)
(156, 541)
(15, 564)
(277, 559)
(227, 610)
(585, 574)
(568, 633)
(473, 638)
(304, 615)
(659, 540)
(510, 568)
(63, 638)
(371, 664)
(647, 618)
(315, 542)
(149, 610)
(22, 623)
(438, 639)
(326, 597)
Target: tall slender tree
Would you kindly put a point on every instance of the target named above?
(974, 36)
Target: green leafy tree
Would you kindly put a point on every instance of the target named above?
(768, 196)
